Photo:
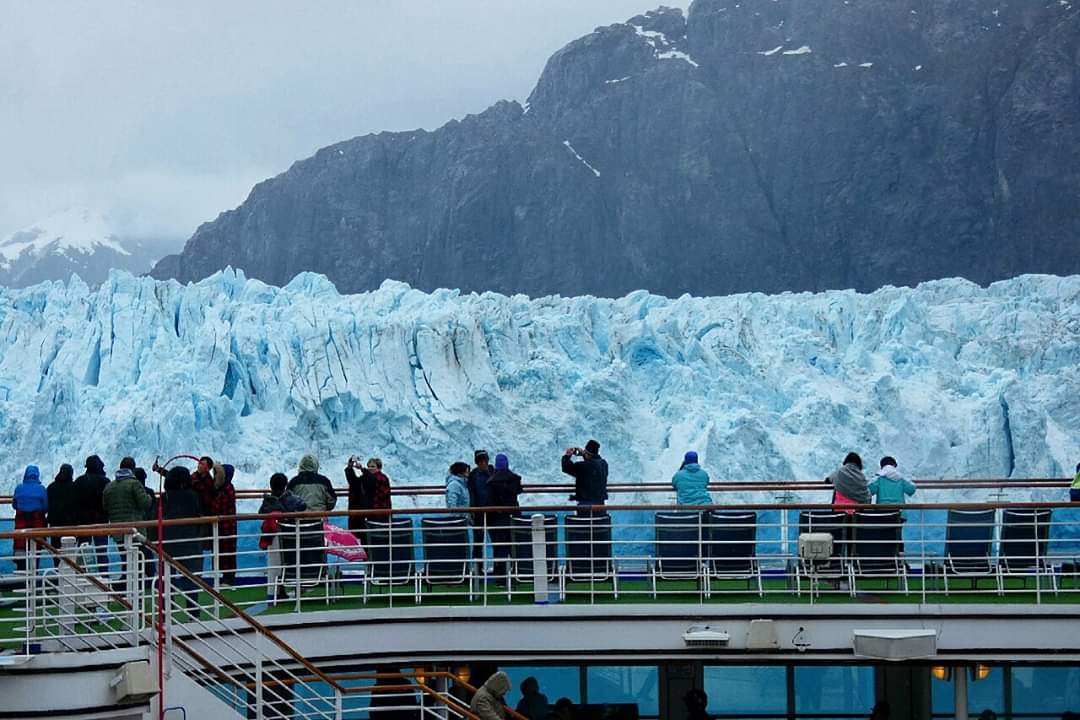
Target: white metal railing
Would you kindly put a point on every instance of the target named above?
(1020, 551)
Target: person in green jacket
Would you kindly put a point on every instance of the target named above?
(125, 501)
(1074, 491)
(890, 488)
(691, 482)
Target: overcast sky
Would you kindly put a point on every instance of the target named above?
(166, 113)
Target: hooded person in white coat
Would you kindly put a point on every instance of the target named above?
(488, 702)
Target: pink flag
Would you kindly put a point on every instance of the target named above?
(342, 543)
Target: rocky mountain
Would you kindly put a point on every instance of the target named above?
(751, 145)
(75, 241)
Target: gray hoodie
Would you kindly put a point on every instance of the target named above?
(849, 481)
(488, 700)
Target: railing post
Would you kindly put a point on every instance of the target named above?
(539, 558)
(339, 704)
(215, 557)
(66, 589)
(483, 559)
(133, 584)
(258, 675)
(31, 591)
(167, 610)
(296, 566)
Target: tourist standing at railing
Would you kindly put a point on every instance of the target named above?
(504, 486)
(202, 483)
(182, 542)
(62, 502)
(590, 475)
(125, 501)
(311, 487)
(849, 484)
(457, 486)
(278, 501)
(89, 508)
(31, 502)
(1074, 491)
(223, 504)
(368, 491)
(478, 497)
(691, 482)
(889, 487)
(488, 702)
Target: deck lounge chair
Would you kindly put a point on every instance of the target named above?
(588, 551)
(969, 538)
(1025, 535)
(303, 562)
(391, 556)
(835, 523)
(678, 554)
(521, 546)
(874, 550)
(447, 553)
(731, 542)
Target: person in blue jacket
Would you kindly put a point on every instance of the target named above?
(31, 502)
(691, 482)
(457, 486)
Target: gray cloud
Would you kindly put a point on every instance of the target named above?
(165, 114)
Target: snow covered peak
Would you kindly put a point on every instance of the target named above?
(78, 230)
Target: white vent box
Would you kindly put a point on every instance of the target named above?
(762, 635)
(135, 681)
(902, 644)
(815, 546)
(703, 636)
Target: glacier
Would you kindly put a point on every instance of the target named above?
(955, 380)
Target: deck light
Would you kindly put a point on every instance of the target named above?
(463, 673)
(980, 672)
(940, 672)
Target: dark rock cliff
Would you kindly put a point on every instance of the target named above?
(755, 145)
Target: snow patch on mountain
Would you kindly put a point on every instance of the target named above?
(73, 230)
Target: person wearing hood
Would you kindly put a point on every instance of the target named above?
(31, 502)
(504, 486)
(691, 482)
(849, 484)
(889, 487)
(457, 486)
(311, 487)
(62, 502)
(533, 703)
(279, 500)
(488, 702)
(182, 542)
(1074, 491)
(89, 508)
(223, 505)
(125, 501)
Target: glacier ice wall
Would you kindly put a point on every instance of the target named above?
(953, 379)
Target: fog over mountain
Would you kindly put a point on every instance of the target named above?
(762, 145)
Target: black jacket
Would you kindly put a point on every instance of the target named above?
(183, 542)
(361, 488)
(590, 479)
(89, 508)
(504, 486)
(63, 504)
(477, 484)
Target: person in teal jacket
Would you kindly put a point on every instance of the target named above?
(890, 488)
(691, 482)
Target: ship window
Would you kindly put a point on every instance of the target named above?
(1045, 691)
(842, 690)
(744, 689)
(555, 682)
(625, 684)
(986, 694)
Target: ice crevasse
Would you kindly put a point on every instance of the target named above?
(954, 379)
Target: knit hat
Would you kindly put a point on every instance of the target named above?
(480, 455)
(309, 463)
(229, 472)
(502, 462)
(592, 447)
(690, 458)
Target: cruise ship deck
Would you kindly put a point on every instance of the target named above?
(773, 603)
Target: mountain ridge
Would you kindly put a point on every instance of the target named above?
(760, 146)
